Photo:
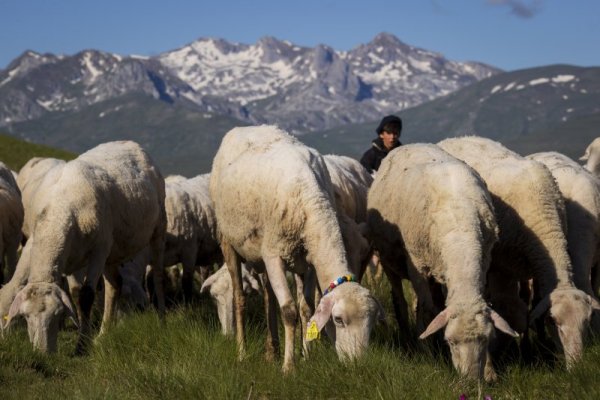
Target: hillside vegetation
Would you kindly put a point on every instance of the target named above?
(15, 153)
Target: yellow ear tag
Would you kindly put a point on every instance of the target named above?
(312, 332)
(5, 317)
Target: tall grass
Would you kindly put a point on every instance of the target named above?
(187, 357)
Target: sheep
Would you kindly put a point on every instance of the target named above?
(219, 287)
(592, 157)
(531, 216)
(107, 205)
(191, 236)
(351, 183)
(437, 211)
(11, 220)
(273, 200)
(37, 173)
(581, 192)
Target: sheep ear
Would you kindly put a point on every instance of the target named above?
(595, 303)
(64, 297)
(208, 282)
(15, 308)
(438, 323)
(502, 325)
(541, 308)
(323, 312)
(585, 156)
(253, 282)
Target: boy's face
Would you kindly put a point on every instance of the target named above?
(388, 138)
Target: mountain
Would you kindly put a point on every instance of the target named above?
(546, 108)
(75, 101)
(304, 89)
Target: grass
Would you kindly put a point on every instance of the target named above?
(139, 358)
(15, 152)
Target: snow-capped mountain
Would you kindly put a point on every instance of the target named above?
(272, 81)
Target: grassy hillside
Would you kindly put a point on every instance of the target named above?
(15, 153)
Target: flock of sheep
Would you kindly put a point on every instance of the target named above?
(492, 242)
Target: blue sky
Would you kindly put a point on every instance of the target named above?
(509, 34)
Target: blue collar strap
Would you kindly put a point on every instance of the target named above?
(336, 282)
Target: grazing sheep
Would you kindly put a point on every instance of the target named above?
(592, 157)
(219, 287)
(531, 217)
(36, 174)
(11, 220)
(108, 204)
(191, 237)
(437, 210)
(581, 192)
(273, 201)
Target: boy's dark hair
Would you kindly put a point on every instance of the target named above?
(390, 123)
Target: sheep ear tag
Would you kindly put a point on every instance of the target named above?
(312, 332)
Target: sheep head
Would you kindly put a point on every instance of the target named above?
(570, 314)
(220, 288)
(353, 311)
(43, 305)
(468, 332)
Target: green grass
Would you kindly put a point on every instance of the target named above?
(15, 152)
(188, 358)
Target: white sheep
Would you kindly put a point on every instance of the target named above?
(592, 157)
(581, 191)
(37, 173)
(433, 210)
(273, 200)
(107, 205)
(533, 245)
(11, 221)
(219, 287)
(351, 182)
(191, 237)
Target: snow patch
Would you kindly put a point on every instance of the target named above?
(420, 65)
(89, 65)
(563, 78)
(11, 75)
(539, 81)
(495, 89)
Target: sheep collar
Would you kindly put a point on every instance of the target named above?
(336, 282)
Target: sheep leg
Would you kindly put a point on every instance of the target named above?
(11, 260)
(426, 310)
(395, 277)
(86, 301)
(305, 308)
(272, 342)
(157, 252)
(112, 286)
(239, 301)
(187, 280)
(276, 272)
(87, 294)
